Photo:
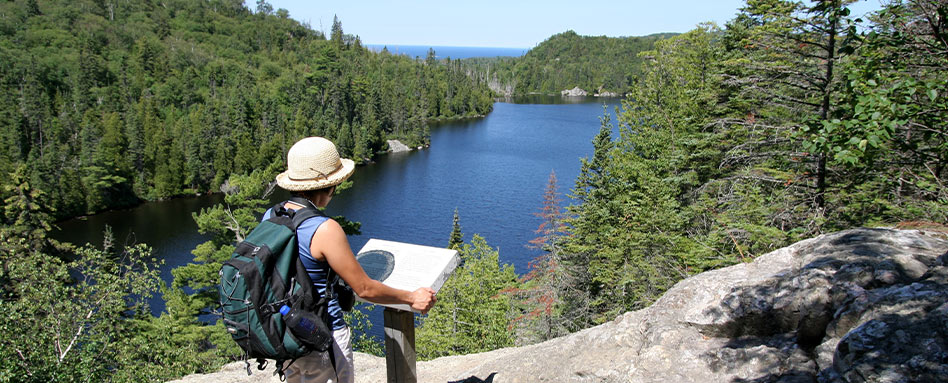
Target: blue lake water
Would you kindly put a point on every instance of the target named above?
(442, 52)
(493, 170)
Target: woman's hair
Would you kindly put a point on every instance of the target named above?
(310, 194)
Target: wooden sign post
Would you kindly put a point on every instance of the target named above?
(400, 346)
(407, 267)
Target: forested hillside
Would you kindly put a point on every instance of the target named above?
(567, 60)
(792, 120)
(103, 104)
(788, 122)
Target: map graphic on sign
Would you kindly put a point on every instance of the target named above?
(406, 266)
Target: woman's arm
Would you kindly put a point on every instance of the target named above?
(333, 246)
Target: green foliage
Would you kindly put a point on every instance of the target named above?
(790, 52)
(787, 124)
(456, 241)
(472, 313)
(358, 321)
(66, 321)
(24, 214)
(567, 60)
(630, 239)
(892, 151)
(115, 103)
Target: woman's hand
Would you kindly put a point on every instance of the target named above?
(423, 299)
(330, 244)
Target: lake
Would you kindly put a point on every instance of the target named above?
(493, 170)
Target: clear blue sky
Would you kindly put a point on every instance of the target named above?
(509, 23)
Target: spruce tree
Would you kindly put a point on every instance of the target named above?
(789, 65)
(457, 239)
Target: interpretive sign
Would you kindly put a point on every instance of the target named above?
(406, 266)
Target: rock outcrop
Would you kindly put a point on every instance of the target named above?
(863, 305)
(396, 146)
(575, 92)
(602, 92)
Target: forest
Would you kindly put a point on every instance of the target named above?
(791, 120)
(567, 60)
(105, 104)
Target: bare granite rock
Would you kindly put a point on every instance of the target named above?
(396, 146)
(602, 92)
(862, 305)
(575, 92)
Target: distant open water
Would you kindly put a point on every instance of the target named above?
(442, 52)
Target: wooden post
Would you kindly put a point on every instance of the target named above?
(400, 346)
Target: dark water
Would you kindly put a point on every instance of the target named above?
(442, 52)
(493, 170)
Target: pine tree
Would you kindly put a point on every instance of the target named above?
(456, 241)
(26, 215)
(336, 35)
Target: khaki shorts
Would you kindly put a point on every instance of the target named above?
(315, 367)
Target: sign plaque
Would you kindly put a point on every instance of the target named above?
(406, 266)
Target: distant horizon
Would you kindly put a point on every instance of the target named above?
(501, 24)
(374, 45)
(448, 51)
(510, 24)
(502, 47)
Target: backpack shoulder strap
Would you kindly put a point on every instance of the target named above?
(308, 211)
(298, 216)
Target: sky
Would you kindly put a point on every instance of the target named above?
(509, 23)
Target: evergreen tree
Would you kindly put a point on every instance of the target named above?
(471, 314)
(456, 241)
(587, 216)
(198, 107)
(789, 64)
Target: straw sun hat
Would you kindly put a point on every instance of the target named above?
(313, 163)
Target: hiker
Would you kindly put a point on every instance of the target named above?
(313, 171)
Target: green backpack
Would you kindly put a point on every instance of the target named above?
(264, 274)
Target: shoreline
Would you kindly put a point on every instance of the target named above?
(199, 194)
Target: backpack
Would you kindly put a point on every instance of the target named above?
(263, 274)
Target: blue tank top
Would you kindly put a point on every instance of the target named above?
(318, 270)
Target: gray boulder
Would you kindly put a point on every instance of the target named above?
(862, 305)
(575, 92)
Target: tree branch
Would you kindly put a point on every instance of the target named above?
(25, 362)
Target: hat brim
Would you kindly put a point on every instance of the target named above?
(335, 178)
